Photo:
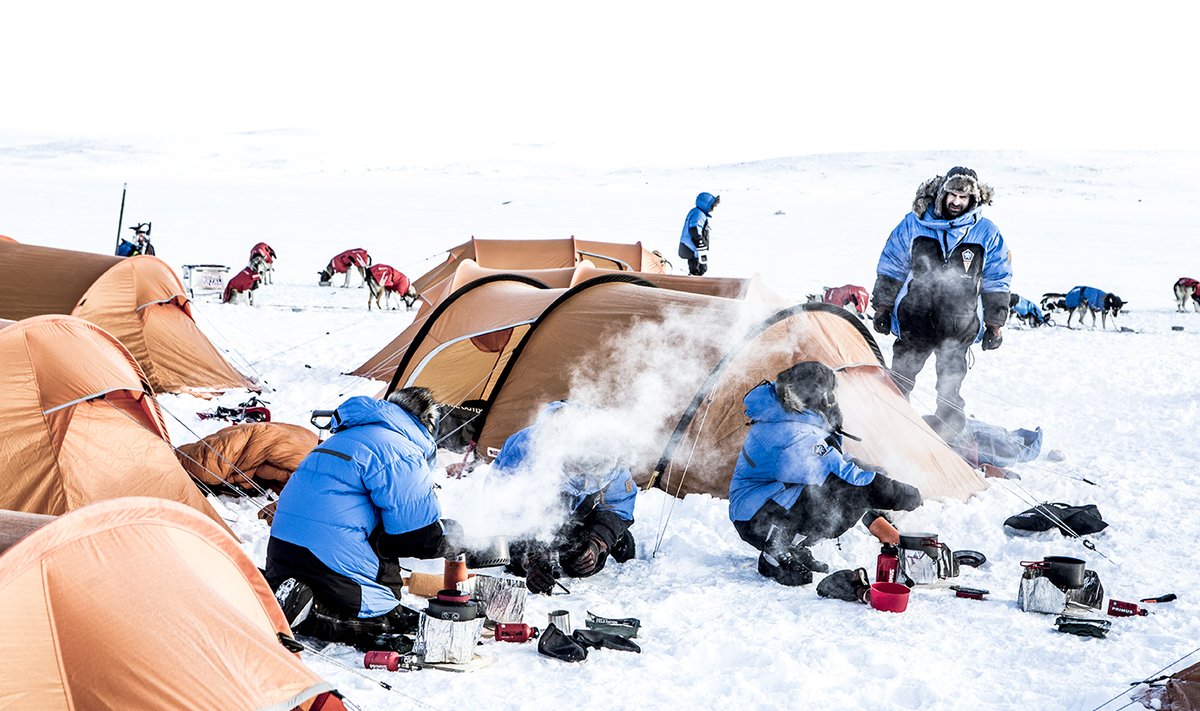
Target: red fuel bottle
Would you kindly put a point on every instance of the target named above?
(887, 564)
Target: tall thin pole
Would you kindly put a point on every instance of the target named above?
(120, 218)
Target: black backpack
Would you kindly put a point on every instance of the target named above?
(1080, 520)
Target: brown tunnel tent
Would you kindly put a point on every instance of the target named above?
(516, 345)
(523, 254)
(140, 300)
(140, 603)
(78, 422)
(382, 365)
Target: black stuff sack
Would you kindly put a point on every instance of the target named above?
(1081, 520)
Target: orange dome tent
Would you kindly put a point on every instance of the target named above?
(140, 300)
(78, 422)
(141, 603)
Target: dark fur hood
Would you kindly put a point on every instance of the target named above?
(931, 192)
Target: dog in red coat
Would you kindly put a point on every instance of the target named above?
(848, 296)
(266, 261)
(383, 281)
(244, 282)
(351, 260)
(1187, 289)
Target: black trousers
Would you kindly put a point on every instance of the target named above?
(908, 358)
(825, 511)
(697, 267)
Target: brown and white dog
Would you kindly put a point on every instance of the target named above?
(1187, 289)
(384, 281)
(266, 256)
(355, 259)
(244, 282)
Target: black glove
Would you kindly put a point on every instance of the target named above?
(588, 559)
(992, 338)
(886, 493)
(540, 576)
(848, 585)
(555, 643)
(599, 640)
(883, 319)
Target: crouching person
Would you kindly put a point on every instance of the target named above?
(792, 484)
(358, 502)
(596, 496)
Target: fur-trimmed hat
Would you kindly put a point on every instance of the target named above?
(419, 403)
(807, 385)
(958, 179)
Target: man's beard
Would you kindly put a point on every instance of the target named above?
(832, 414)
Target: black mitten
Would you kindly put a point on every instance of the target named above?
(887, 493)
(597, 640)
(587, 559)
(553, 642)
(540, 576)
(848, 585)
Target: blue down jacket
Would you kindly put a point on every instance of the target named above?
(375, 469)
(944, 266)
(697, 218)
(784, 452)
(617, 491)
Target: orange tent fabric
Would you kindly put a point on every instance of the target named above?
(78, 422)
(241, 455)
(511, 254)
(141, 603)
(382, 365)
(6, 238)
(675, 365)
(140, 300)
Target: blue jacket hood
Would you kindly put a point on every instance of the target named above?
(361, 410)
(705, 201)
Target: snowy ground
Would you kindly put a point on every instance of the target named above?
(1119, 407)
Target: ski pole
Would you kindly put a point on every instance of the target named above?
(120, 218)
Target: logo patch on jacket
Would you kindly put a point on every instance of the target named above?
(967, 256)
(820, 449)
(628, 486)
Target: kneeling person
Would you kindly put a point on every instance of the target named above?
(358, 502)
(792, 479)
(597, 496)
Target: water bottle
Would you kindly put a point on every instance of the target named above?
(887, 564)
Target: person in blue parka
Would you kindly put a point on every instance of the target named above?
(943, 284)
(792, 485)
(693, 242)
(596, 492)
(358, 502)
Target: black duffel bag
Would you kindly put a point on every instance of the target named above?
(1080, 520)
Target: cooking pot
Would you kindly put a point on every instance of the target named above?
(1064, 572)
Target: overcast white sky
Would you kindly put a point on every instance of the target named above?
(701, 81)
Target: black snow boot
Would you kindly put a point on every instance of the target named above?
(784, 569)
(624, 549)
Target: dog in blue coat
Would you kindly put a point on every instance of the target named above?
(1088, 299)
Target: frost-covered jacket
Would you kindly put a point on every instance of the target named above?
(1085, 296)
(784, 452)
(374, 471)
(694, 223)
(953, 277)
(618, 496)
